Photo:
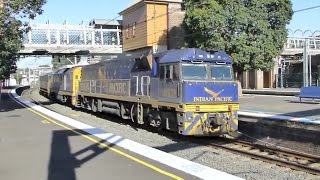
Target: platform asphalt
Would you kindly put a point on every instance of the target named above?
(281, 106)
(35, 147)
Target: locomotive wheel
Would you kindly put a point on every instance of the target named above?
(136, 113)
(99, 105)
(94, 105)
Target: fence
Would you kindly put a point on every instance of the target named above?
(295, 80)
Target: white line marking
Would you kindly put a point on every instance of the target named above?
(269, 95)
(189, 167)
(279, 117)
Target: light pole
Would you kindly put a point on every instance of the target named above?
(310, 72)
(305, 64)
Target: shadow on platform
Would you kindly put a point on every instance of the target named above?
(8, 104)
(63, 162)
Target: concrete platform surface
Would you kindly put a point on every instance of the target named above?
(281, 105)
(35, 146)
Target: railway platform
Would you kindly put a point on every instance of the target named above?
(280, 107)
(273, 91)
(281, 121)
(38, 144)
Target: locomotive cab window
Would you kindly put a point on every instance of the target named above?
(221, 72)
(170, 72)
(176, 72)
(192, 71)
(162, 72)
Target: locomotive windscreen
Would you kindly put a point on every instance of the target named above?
(221, 72)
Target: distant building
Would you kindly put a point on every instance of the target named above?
(31, 76)
(152, 26)
(106, 24)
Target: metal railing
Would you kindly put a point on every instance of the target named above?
(313, 43)
(53, 35)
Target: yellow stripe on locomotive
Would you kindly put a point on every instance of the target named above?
(202, 121)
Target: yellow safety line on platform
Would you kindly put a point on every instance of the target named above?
(161, 171)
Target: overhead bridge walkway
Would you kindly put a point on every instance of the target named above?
(295, 46)
(71, 39)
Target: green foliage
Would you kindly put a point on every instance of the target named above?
(13, 23)
(253, 32)
(18, 77)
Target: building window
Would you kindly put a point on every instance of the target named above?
(134, 29)
(127, 31)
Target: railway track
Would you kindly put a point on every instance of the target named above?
(28, 93)
(275, 155)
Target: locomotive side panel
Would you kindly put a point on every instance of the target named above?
(68, 81)
(45, 81)
(58, 81)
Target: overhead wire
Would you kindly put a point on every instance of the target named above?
(306, 9)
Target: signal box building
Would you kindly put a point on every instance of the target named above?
(152, 26)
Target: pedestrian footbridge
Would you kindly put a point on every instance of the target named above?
(296, 46)
(70, 39)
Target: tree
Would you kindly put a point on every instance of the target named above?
(13, 24)
(18, 77)
(253, 32)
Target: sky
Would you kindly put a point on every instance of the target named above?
(76, 11)
(305, 20)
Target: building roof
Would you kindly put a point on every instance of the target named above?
(137, 3)
(111, 22)
(193, 54)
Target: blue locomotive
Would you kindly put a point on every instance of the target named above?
(189, 91)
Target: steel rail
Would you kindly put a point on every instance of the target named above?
(268, 158)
